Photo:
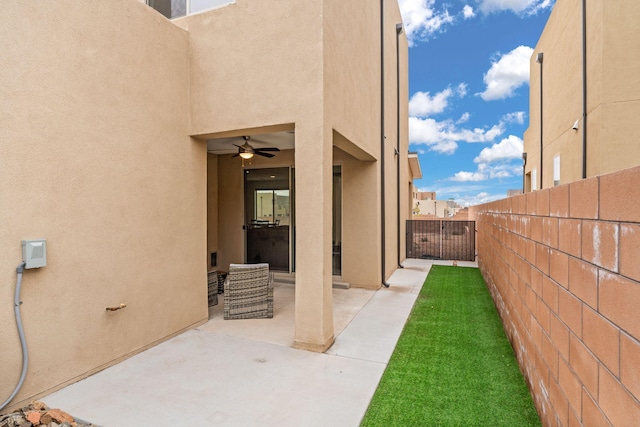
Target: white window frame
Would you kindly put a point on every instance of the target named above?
(534, 179)
(556, 170)
(188, 8)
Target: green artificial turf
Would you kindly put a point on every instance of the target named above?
(453, 364)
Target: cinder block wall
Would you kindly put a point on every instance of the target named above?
(563, 266)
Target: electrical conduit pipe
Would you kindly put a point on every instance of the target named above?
(23, 341)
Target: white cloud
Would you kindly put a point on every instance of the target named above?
(422, 104)
(461, 90)
(516, 117)
(444, 147)
(452, 191)
(486, 172)
(465, 193)
(444, 136)
(500, 170)
(508, 149)
(521, 7)
(467, 12)
(495, 162)
(507, 74)
(468, 176)
(432, 133)
(478, 199)
(492, 133)
(422, 20)
(464, 118)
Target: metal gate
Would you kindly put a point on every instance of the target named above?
(440, 239)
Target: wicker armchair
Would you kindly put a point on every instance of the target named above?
(248, 292)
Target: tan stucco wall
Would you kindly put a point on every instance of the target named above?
(439, 208)
(392, 163)
(613, 90)
(320, 75)
(352, 106)
(96, 158)
(360, 222)
(263, 66)
(352, 80)
(352, 71)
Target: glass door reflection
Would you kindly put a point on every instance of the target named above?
(268, 217)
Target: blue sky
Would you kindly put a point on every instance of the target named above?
(469, 92)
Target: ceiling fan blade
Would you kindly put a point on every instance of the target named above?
(267, 149)
(235, 155)
(264, 154)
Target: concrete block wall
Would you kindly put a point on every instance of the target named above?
(563, 266)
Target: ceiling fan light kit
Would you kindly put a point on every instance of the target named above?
(246, 151)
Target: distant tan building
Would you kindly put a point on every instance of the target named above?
(584, 98)
(415, 172)
(120, 131)
(425, 205)
(426, 195)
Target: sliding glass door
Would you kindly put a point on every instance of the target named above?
(268, 217)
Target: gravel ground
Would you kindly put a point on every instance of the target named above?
(38, 414)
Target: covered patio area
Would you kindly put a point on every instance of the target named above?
(281, 329)
(244, 372)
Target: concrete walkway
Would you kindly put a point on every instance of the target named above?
(244, 373)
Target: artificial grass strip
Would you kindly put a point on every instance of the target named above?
(453, 364)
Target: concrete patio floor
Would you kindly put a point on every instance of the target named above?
(245, 373)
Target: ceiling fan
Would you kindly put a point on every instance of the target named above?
(246, 151)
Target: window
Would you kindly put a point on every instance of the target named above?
(169, 8)
(178, 8)
(337, 221)
(196, 6)
(534, 180)
(556, 170)
(272, 207)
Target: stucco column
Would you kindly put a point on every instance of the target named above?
(313, 203)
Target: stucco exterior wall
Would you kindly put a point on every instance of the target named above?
(352, 106)
(237, 86)
(253, 64)
(106, 107)
(360, 237)
(352, 79)
(561, 265)
(264, 69)
(353, 91)
(613, 91)
(97, 160)
(393, 162)
(432, 207)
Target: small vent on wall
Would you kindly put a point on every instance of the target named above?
(214, 259)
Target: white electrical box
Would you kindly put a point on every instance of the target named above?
(34, 253)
